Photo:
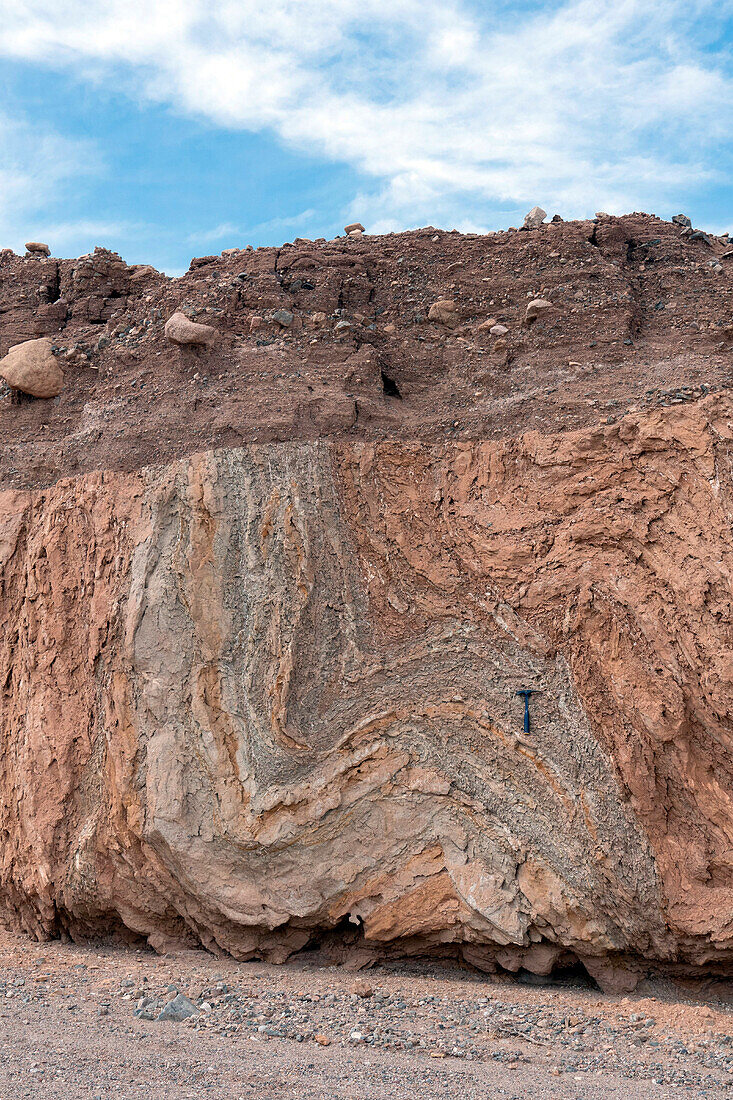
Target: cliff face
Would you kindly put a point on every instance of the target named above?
(257, 693)
(261, 690)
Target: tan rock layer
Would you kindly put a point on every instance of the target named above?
(259, 692)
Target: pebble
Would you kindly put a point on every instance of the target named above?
(471, 1024)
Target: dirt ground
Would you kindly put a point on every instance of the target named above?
(81, 1021)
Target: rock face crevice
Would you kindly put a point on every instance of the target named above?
(261, 691)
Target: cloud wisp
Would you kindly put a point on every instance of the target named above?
(37, 164)
(228, 230)
(445, 107)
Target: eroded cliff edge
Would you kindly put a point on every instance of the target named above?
(259, 694)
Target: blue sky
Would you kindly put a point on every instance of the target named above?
(171, 128)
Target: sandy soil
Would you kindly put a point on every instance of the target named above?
(73, 1026)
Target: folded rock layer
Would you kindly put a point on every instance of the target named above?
(260, 692)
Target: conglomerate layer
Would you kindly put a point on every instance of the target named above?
(267, 604)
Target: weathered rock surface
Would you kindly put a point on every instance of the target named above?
(31, 367)
(268, 690)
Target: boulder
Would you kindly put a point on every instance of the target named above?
(683, 220)
(180, 330)
(498, 330)
(444, 312)
(31, 367)
(283, 317)
(535, 218)
(486, 326)
(180, 1008)
(37, 248)
(355, 227)
(536, 308)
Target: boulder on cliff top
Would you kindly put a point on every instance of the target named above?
(535, 218)
(38, 248)
(355, 227)
(180, 330)
(31, 367)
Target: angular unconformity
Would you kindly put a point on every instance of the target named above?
(263, 691)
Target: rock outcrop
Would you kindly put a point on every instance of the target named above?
(262, 691)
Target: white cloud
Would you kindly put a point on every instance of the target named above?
(68, 233)
(216, 233)
(37, 164)
(451, 108)
(227, 230)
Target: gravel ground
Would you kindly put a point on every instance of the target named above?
(83, 1022)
